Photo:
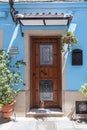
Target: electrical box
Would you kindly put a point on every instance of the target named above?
(77, 57)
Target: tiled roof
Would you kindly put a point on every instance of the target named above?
(44, 0)
(44, 19)
(31, 15)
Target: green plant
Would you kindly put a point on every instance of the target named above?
(1, 105)
(70, 39)
(10, 76)
(83, 89)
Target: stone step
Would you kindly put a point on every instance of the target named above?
(45, 112)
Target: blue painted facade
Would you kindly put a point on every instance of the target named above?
(75, 75)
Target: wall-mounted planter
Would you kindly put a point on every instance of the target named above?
(66, 40)
(70, 39)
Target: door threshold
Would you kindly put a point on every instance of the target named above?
(45, 112)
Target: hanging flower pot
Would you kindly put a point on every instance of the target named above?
(66, 40)
(70, 39)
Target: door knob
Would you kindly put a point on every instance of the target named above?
(34, 74)
(43, 72)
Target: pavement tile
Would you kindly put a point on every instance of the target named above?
(65, 129)
(23, 125)
(80, 125)
(49, 123)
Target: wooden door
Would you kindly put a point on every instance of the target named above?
(45, 72)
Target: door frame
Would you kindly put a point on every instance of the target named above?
(32, 79)
(27, 35)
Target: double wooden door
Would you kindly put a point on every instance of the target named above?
(45, 58)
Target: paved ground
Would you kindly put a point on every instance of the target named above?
(45, 123)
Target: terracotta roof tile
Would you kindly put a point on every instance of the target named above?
(43, 0)
(49, 14)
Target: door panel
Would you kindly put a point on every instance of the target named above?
(45, 71)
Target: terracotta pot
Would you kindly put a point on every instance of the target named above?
(66, 40)
(8, 110)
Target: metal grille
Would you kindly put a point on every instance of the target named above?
(46, 90)
(46, 54)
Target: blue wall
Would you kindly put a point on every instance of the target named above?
(75, 75)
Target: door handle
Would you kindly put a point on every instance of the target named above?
(43, 72)
(34, 73)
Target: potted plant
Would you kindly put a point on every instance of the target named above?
(70, 39)
(10, 77)
(83, 104)
(83, 89)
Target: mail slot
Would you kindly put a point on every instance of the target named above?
(77, 57)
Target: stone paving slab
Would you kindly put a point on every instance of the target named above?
(51, 123)
(20, 125)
